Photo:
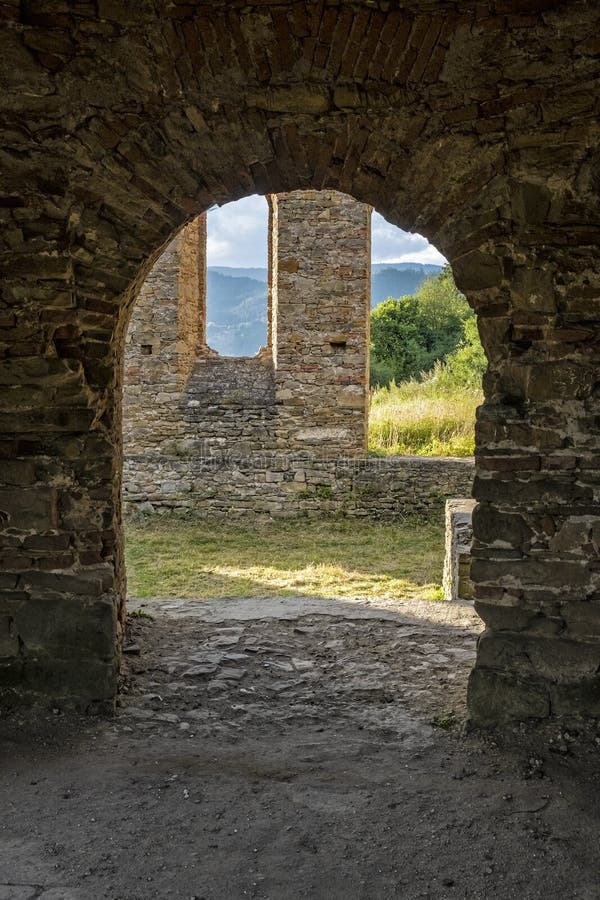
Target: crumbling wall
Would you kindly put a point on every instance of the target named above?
(303, 396)
(162, 342)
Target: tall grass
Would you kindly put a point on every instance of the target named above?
(424, 418)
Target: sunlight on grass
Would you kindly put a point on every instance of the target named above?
(328, 558)
(423, 419)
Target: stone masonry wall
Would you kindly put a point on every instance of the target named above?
(279, 486)
(475, 124)
(322, 293)
(306, 393)
(282, 433)
(162, 341)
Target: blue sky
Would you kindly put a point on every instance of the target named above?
(237, 236)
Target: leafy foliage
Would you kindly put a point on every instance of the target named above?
(466, 365)
(409, 335)
(426, 363)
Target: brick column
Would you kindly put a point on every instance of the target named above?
(321, 304)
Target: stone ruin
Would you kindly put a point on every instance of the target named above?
(475, 124)
(283, 433)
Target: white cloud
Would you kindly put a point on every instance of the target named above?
(237, 236)
(237, 233)
(390, 244)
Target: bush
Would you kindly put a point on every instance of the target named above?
(466, 365)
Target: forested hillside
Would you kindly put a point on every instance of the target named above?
(236, 312)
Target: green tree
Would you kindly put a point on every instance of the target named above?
(410, 334)
(464, 367)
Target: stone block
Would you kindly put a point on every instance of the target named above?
(496, 698)
(30, 508)
(457, 562)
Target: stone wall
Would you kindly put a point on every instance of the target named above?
(162, 342)
(282, 433)
(305, 392)
(322, 291)
(475, 124)
(281, 486)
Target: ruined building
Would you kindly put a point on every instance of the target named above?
(474, 124)
(283, 433)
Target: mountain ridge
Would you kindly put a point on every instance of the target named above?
(236, 301)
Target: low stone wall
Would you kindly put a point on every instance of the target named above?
(283, 486)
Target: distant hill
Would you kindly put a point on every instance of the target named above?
(237, 301)
(398, 279)
(234, 272)
(236, 312)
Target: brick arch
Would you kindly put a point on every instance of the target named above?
(476, 128)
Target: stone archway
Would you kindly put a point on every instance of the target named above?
(477, 128)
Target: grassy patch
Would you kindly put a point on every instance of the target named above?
(445, 720)
(424, 419)
(329, 558)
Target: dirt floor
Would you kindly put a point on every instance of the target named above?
(295, 748)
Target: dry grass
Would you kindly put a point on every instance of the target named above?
(328, 558)
(421, 418)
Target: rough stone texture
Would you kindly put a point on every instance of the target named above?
(286, 486)
(264, 435)
(321, 304)
(475, 124)
(459, 539)
(162, 342)
(307, 390)
(285, 748)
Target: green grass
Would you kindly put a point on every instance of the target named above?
(329, 558)
(423, 418)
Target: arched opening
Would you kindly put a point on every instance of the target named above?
(274, 468)
(473, 124)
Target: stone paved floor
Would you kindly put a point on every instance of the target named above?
(234, 671)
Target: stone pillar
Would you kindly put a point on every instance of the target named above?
(166, 331)
(61, 580)
(321, 304)
(536, 552)
(456, 581)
